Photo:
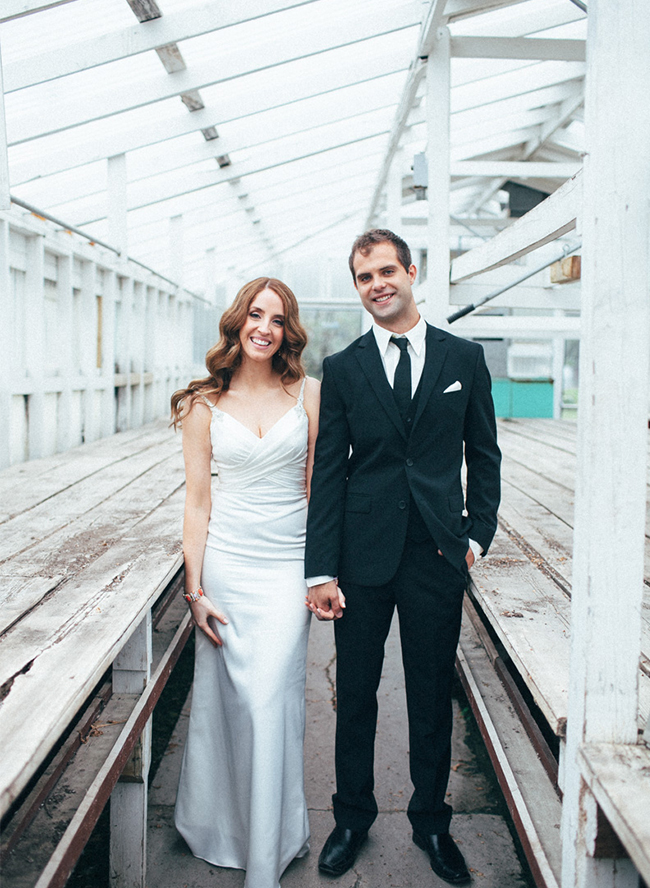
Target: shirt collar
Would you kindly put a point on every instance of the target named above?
(416, 337)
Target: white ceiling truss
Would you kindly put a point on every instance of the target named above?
(292, 114)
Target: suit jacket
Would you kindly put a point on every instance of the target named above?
(368, 464)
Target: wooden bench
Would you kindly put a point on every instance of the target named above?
(515, 645)
(90, 546)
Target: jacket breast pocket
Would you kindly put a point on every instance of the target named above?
(358, 502)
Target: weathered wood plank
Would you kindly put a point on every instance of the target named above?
(619, 777)
(27, 484)
(111, 598)
(533, 803)
(532, 619)
(43, 568)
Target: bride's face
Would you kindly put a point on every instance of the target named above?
(263, 330)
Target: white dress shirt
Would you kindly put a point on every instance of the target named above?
(390, 353)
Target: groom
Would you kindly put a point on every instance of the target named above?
(389, 524)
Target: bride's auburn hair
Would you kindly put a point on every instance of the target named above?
(225, 357)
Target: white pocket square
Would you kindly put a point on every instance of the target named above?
(454, 387)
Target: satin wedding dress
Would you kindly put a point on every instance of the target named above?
(241, 800)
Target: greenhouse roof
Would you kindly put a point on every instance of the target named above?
(270, 126)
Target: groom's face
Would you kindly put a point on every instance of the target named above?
(384, 286)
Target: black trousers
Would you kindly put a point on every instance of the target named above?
(428, 593)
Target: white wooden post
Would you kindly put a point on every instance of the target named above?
(438, 86)
(35, 345)
(176, 249)
(117, 203)
(5, 200)
(6, 346)
(137, 354)
(123, 420)
(65, 428)
(108, 354)
(394, 194)
(128, 856)
(88, 345)
(610, 502)
(558, 371)
(210, 274)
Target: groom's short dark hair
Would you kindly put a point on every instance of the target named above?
(366, 241)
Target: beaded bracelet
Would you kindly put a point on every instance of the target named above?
(193, 596)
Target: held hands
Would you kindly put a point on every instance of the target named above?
(326, 601)
(203, 611)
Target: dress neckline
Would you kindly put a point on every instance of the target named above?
(268, 431)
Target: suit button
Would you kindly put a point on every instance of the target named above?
(402, 504)
(408, 419)
(409, 461)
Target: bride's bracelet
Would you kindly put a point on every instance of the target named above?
(193, 596)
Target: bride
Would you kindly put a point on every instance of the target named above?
(252, 421)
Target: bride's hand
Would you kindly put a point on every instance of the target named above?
(202, 611)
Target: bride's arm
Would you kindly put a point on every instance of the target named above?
(312, 406)
(197, 453)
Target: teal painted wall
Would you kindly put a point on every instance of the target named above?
(523, 397)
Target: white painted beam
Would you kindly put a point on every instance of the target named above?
(12, 9)
(159, 189)
(245, 100)
(458, 9)
(546, 222)
(123, 42)
(438, 91)
(524, 169)
(518, 48)
(5, 201)
(241, 61)
(117, 203)
(528, 327)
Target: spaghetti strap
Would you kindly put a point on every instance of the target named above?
(203, 398)
(302, 391)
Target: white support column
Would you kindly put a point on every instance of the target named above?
(5, 202)
(610, 503)
(117, 203)
(123, 418)
(137, 353)
(35, 346)
(88, 342)
(6, 346)
(64, 429)
(128, 854)
(438, 86)
(394, 194)
(176, 257)
(558, 371)
(210, 274)
(108, 354)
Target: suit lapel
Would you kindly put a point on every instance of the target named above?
(368, 356)
(435, 358)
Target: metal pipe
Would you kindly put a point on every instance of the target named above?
(580, 5)
(93, 240)
(567, 251)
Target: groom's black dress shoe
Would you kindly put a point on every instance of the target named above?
(340, 850)
(446, 859)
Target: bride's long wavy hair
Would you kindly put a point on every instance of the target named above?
(225, 357)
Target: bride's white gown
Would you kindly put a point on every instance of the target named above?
(241, 799)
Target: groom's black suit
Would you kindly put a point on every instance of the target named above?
(386, 494)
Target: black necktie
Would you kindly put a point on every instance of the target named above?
(402, 382)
